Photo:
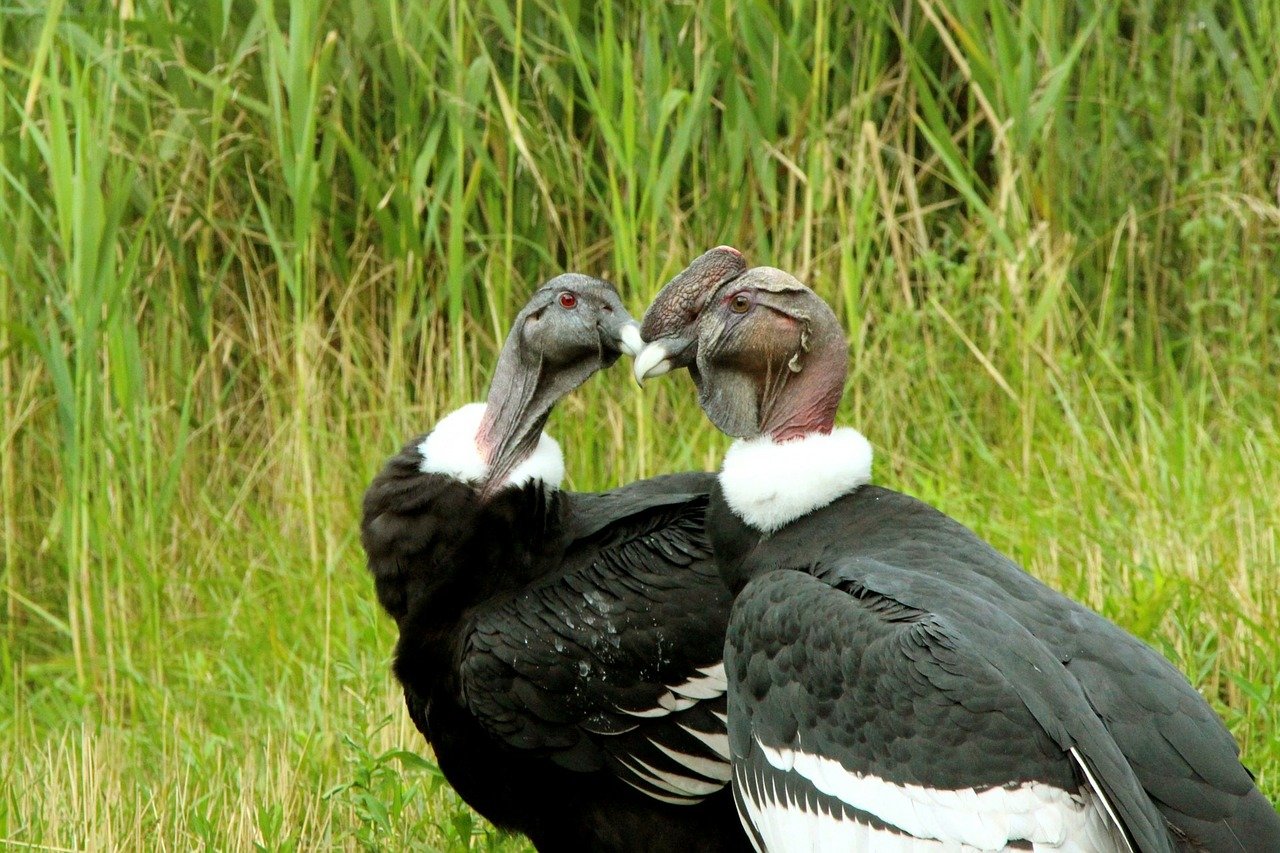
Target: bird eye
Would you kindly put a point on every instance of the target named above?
(567, 299)
(740, 303)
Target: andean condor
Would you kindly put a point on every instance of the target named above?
(895, 682)
(560, 651)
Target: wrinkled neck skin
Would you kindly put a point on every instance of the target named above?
(524, 391)
(807, 401)
(794, 466)
(515, 413)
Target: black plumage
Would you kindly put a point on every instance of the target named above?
(531, 623)
(1179, 750)
(885, 665)
(907, 678)
(561, 652)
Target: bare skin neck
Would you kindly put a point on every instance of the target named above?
(516, 410)
(521, 397)
(808, 403)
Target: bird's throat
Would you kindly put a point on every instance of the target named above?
(808, 403)
(510, 431)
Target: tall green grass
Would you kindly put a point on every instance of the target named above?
(247, 247)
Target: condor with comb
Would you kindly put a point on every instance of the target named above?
(895, 682)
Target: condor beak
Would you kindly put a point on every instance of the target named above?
(629, 340)
(664, 355)
(620, 333)
(651, 361)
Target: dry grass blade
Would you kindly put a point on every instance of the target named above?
(249, 248)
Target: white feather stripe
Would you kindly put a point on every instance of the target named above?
(697, 688)
(451, 450)
(709, 767)
(672, 702)
(785, 824)
(680, 697)
(769, 484)
(707, 686)
(667, 781)
(716, 673)
(745, 804)
(1116, 827)
(675, 801)
(668, 703)
(717, 742)
(988, 819)
(630, 762)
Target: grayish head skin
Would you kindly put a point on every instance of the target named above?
(771, 357)
(668, 327)
(572, 326)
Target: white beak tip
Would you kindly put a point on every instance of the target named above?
(650, 362)
(629, 340)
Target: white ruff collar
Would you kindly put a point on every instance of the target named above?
(770, 484)
(451, 449)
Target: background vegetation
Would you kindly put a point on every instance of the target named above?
(246, 248)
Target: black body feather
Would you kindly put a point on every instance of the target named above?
(1071, 678)
(541, 633)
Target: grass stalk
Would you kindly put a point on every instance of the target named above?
(248, 251)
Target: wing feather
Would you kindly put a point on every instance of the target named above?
(925, 712)
(616, 658)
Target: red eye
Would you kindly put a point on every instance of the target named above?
(568, 300)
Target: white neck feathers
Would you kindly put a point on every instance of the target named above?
(451, 449)
(770, 484)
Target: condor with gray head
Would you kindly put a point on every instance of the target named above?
(560, 651)
(893, 680)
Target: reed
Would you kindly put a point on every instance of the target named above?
(249, 247)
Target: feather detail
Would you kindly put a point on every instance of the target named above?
(770, 484)
(451, 449)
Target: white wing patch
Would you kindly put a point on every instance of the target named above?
(710, 685)
(784, 823)
(709, 767)
(662, 798)
(685, 786)
(706, 773)
(672, 702)
(968, 819)
(717, 742)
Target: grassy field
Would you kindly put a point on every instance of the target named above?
(247, 247)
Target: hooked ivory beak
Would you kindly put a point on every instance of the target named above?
(651, 361)
(629, 340)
